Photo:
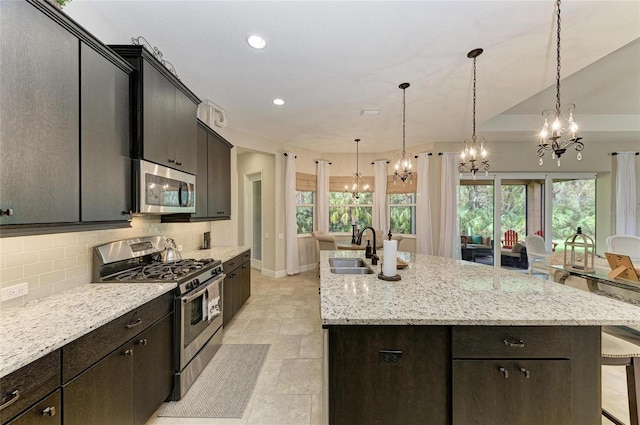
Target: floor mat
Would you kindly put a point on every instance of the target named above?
(224, 387)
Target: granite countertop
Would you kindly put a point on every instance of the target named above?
(442, 291)
(40, 327)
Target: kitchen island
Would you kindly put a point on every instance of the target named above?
(455, 342)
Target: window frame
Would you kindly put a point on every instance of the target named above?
(413, 207)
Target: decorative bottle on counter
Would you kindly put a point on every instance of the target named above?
(367, 250)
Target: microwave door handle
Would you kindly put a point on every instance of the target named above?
(203, 290)
(184, 187)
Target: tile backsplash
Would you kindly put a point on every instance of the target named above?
(52, 263)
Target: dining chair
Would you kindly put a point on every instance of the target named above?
(537, 253)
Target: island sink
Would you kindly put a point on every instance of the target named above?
(349, 266)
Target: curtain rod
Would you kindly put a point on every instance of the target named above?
(286, 154)
(386, 162)
(616, 153)
(429, 154)
(330, 163)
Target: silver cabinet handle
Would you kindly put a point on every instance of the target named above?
(504, 372)
(525, 372)
(7, 212)
(134, 324)
(15, 396)
(143, 341)
(49, 411)
(128, 353)
(516, 343)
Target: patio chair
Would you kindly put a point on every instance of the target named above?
(537, 253)
(510, 239)
(625, 245)
(553, 244)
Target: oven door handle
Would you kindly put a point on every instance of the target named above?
(190, 298)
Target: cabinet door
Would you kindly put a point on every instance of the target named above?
(227, 301)
(47, 412)
(201, 175)
(153, 368)
(105, 164)
(159, 118)
(246, 276)
(39, 169)
(219, 177)
(103, 395)
(186, 128)
(236, 279)
(511, 392)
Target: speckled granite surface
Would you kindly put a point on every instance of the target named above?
(31, 331)
(441, 291)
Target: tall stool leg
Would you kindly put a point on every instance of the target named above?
(633, 388)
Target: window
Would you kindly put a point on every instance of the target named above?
(475, 209)
(343, 209)
(402, 213)
(304, 211)
(574, 204)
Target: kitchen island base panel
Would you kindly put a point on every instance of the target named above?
(406, 375)
(386, 375)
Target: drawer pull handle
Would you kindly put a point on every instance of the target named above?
(8, 212)
(134, 324)
(13, 399)
(525, 372)
(49, 411)
(504, 372)
(143, 341)
(516, 343)
(128, 353)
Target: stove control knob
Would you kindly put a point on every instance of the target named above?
(195, 283)
(188, 286)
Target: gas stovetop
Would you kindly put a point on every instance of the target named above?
(160, 272)
(138, 261)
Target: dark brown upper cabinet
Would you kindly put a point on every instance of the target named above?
(164, 115)
(213, 183)
(65, 125)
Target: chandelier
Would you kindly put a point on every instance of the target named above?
(355, 189)
(562, 134)
(474, 154)
(403, 165)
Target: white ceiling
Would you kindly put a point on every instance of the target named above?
(331, 59)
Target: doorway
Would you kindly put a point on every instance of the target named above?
(253, 217)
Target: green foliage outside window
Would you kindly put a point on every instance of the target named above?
(402, 213)
(343, 208)
(475, 209)
(304, 212)
(574, 204)
(514, 209)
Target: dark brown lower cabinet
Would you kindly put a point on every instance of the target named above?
(47, 412)
(513, 392)
(126, 386)
(237, 285)
(389, 375)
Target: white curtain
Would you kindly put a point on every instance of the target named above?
(626, 194)
(449, 234)
(322, 196)
(290, 224)
(380, 221)
(424, 234)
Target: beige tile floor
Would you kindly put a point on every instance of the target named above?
(285, 313)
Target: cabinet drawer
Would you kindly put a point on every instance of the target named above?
(477, 342)
(78, 355)
(232, 264)
(47, 412)
(33, 382)
(246, 256)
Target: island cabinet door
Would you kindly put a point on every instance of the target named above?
(513, 392)
(389, 375)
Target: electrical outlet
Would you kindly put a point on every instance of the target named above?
(389, 357)
(15, 291)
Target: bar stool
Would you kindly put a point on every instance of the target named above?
(619, 352)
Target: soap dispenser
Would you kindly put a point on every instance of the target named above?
(367, 251)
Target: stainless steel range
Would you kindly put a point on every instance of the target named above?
(198, 301)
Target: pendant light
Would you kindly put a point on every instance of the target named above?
(562, 134)
(355, 189)
(474, 154)
(403, 165)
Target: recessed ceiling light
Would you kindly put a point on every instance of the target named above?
(278, 102)
(256, 42)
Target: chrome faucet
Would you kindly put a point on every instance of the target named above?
(374, 256)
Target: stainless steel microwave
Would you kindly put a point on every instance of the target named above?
(163, 190)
